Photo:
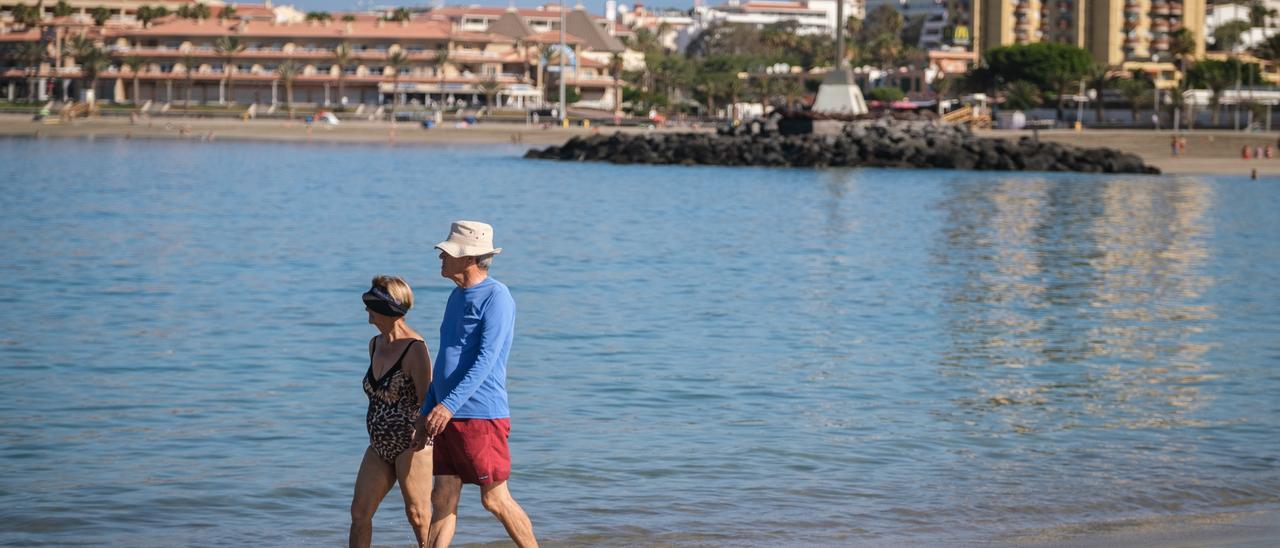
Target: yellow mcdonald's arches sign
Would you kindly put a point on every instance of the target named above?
(961, 34)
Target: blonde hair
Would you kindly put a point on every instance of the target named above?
(397, 288)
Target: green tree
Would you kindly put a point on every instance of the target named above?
(1049, 66)
(135, 65)
(1269, 49)
(342, 56)
(399, 14)
(1217, 76)
(94, 61)
(1134, 90)
(189, 66)
(1228, 35)
(288, 71)
(1022, 95)
(228, 12)
(26, 16)
(62, 9)
(1260, 15)
(1098, 77)
(321, 16)
(396, 61)
(228, 47)
(31, 55)
(489, 88)
(440, 60)
(348, 18)
(100, 15)
(886, 95)
(616, 63)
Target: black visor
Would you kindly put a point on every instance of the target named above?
(378, 300)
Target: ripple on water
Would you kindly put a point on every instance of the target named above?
(875, 357)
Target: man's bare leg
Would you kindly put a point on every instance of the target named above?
(497, 499)
(444, 510)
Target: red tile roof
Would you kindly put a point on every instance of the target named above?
(367, 29)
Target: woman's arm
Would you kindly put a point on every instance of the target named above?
(417, 363)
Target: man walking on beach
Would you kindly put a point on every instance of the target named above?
(465, 409)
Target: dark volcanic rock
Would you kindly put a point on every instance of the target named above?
(869, 143)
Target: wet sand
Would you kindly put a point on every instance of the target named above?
(1208, 152)
(1239, 529)
(298, 131)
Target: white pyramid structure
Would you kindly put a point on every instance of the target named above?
(840, 94)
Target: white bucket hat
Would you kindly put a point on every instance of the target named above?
(469, 239)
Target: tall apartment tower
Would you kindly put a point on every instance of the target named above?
(1113, 31)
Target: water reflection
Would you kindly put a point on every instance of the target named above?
(1073, 305)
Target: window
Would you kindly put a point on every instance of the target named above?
(350, 70)
(324, 68)
(166, 67)
(405, 71)
(244, 68)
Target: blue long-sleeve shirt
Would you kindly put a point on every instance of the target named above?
(470, 373)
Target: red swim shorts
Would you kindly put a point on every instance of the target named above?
(474, 450)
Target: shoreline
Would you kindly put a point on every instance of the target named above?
(1208, 152)
(1254, 527)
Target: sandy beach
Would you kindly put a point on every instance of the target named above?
(1208, 152)
(1243, 528)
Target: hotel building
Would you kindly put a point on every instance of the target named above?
(449, 58)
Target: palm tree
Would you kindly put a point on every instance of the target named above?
(790, 88)
(92, 61)
(1269, 49)
(227, 48)
(711, 84)
(545, 52)
(31, 54)
(190, 64)
(1133, 90)
(1098, 77)
(439, 59)
(135, 65)
(26, 16)
(400, 14)
(1227, 36)
(396, 61)
(287, 72)
(100, 15)
(342, 56)
(1217, 76)
(80, 48)
(1260, 14)
(489, 87)
(1021, 95)
(616, 62)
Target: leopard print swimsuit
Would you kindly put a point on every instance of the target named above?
(393, 407)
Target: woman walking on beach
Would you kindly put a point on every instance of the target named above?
(398, 376)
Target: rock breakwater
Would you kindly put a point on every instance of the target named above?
(860, 144)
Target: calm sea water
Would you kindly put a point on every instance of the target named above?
(703, 355)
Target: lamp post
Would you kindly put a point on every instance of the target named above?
(564, 120)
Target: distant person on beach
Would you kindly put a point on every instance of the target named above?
(466, 411)
(398, 377)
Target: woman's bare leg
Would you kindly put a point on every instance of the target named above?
(372, 484)
(413, 469)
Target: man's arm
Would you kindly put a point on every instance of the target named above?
(498, 323)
